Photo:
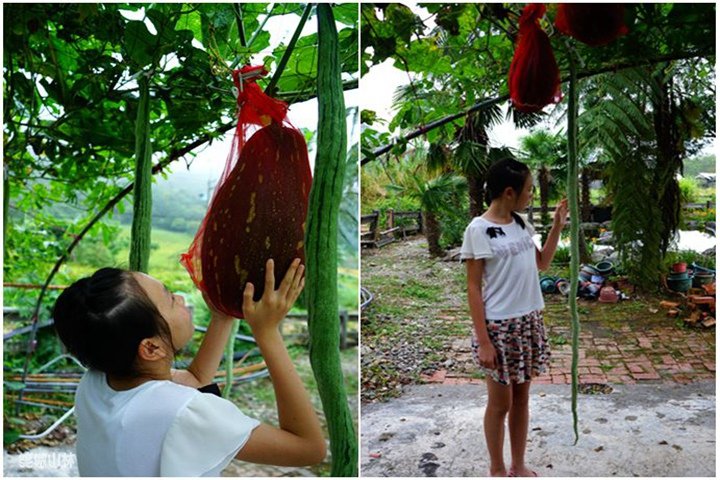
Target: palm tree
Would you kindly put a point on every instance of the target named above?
(545, 152)
(434, 195)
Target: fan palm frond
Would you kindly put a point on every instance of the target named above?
(617, 111)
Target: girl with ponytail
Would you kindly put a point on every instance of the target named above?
(509, 341)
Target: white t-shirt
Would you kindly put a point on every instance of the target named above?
(159, 428)
(510, 277)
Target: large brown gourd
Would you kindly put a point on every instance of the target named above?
(258, 213)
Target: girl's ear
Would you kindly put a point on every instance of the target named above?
(509, 192)
(151, 349)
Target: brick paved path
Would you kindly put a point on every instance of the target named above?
(643, 353)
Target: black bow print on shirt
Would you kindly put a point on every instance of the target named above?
(493, 232)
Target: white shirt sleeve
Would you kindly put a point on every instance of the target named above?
(204, 437)
(475, 244)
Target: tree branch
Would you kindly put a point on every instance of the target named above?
(288, 51)
(297, 96)
(490, 102)
(237, 9)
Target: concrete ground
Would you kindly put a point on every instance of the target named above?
(648, 430)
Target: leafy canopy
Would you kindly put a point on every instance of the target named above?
(71, 97)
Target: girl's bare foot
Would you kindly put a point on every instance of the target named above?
(521, 472)
(498, 472)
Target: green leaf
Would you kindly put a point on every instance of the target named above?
(11, 435)
(139, 43)
(192, 22)
(346, 13)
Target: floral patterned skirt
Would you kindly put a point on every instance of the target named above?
(521, 345)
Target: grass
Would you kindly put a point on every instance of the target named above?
(165, 265)
(420, 291)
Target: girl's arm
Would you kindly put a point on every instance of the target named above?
(299, 440)
(477, 311)
(204, 366)
(544, 257)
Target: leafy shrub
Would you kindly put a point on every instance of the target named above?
(688, 190)
(92, 251)
(453, 222)
(688, 257)
(562, 255)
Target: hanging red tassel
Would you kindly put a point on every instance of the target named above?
(592, 23)
(534, 78)
(259, 206)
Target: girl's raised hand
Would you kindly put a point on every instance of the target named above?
(214, 312)
(560, 217)
(274, 304)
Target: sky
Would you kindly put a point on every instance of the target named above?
(383, 79)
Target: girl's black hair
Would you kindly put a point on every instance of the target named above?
(504, 173)
(102, 319)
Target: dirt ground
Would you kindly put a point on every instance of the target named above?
(417, 330)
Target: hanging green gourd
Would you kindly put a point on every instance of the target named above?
(572, 193)
(533, 82)
(321, 250)
(142, 194)
(593, 24)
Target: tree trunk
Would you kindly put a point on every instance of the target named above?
(321, 250)
(476, 192)
(544, 181)
(585, 256)
(432, 233)
(142, 195)
(669, 161)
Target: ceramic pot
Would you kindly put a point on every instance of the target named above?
(679, 267)
(702, 278)
(608, 295)
(679, 276)
(604, 267)
(679, 285)
(547, 285)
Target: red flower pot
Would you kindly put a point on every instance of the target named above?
(679, 267)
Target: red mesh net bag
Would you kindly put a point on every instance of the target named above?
(259, 205)
(592, 23)
(534, 78)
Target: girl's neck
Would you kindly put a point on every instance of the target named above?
(499, 212)
(120, 384)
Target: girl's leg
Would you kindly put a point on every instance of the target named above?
(499, 400)
(518, 421)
